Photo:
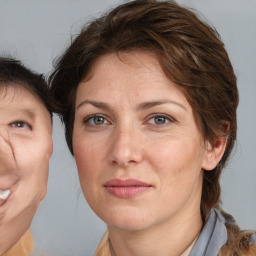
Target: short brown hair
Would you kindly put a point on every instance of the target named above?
(14, 73)
(190, 53)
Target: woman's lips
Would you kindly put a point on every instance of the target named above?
(126, 188)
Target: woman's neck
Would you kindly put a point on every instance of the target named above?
(170, 238)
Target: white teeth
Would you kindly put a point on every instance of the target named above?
(4, 194)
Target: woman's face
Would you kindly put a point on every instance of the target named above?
(138, 150)
(25, 150)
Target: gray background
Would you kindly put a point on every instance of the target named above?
(36, 31)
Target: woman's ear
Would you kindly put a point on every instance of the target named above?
(214, 152)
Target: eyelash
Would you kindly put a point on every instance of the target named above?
(20, 125)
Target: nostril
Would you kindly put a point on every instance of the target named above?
(123, 162)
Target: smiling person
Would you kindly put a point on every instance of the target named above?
(148, 97)
(25, 150)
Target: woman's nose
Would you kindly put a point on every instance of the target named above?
(126, 148)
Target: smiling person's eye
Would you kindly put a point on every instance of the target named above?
(20, 125)
(96, 120)
(160, 119)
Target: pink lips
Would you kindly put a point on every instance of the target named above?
(126, 188)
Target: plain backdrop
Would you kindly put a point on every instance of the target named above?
(36, 31)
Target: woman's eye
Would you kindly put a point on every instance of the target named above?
(160, 120)
(96, 120)
(20, 125)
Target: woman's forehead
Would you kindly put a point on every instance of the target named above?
(137, 75)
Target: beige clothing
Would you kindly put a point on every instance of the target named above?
(23, 247)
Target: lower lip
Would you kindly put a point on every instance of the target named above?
(126, 192)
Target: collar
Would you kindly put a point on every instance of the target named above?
(212, 237)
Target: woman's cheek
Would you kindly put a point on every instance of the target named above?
(85, 151)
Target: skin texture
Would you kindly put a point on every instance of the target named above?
(146, 131)
(25, 150)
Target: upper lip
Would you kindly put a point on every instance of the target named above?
(7, 182)
(126, 183)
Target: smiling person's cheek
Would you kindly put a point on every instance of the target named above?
(7, 166)
(32, 159)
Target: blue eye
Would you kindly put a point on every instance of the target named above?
(96, 120)
(160, 120)
(20, 125)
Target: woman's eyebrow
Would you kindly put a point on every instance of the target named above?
(151, 104)
(97, 104)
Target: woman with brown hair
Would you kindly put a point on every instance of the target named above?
(148, 97)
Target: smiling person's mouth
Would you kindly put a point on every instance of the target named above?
(4, 194)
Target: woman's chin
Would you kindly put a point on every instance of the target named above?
(128, 225)
(128, 222)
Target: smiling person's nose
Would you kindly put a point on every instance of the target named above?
(7, 157)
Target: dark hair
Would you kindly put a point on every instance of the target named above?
(14, 73)
(190, 53)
